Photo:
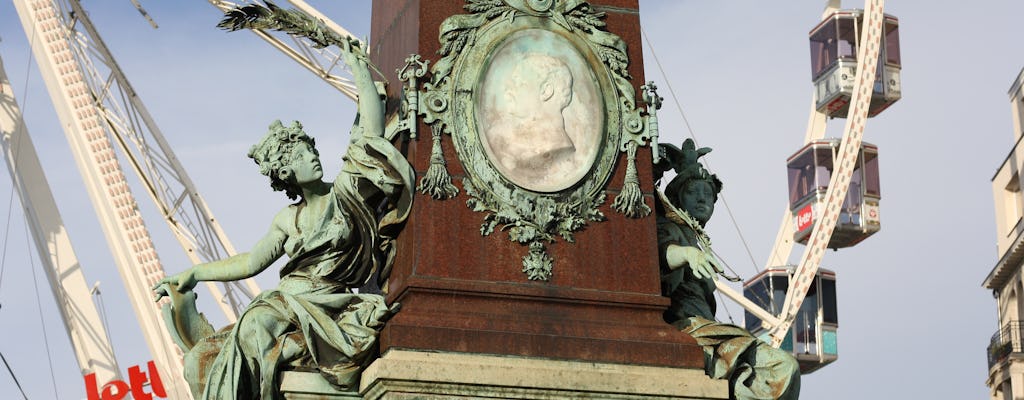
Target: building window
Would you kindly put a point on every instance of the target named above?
(1013, 203)
(1008, 310)
(1019, 109)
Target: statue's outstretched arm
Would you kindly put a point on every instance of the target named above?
(239, 266)
(371, 107)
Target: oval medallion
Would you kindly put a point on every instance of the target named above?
(535, 112)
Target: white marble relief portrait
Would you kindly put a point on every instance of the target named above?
(538, 112)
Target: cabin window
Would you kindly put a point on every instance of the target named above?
(801, 178)
(854, 199)
(824, 48)
(871, 184)
(848, 30)
(757, 293)
(770, 294)
(830, 313)
(805, 327)
(892, 44)
(823, 156)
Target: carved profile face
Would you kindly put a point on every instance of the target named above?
(698, 199)
(536, 111)
(305, 165)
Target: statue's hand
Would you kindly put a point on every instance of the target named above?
(353, 55)
(700, 264)
(182, 282)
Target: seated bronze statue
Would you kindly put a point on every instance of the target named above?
(338, 236)
(754, 369)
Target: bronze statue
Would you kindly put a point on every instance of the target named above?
(754, 369)
(338, 236)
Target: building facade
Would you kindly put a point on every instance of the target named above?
(1006, 349)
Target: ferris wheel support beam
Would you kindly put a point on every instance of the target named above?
(308, 9)
(767, 319)
(162, 175)
(872, 30)
(84, 125)
(72, 294)
(783, 246)
(324, 63)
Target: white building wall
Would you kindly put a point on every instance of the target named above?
(1006, 374)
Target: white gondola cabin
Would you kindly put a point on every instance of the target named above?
(810, 170)
(812, 338)
(834, 44)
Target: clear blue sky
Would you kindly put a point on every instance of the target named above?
(914, 320)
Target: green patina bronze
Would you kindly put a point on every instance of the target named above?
(538, 101)
(568, 76)
(754, 369)
(338, 236)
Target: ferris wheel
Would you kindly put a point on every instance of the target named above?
(834, 189)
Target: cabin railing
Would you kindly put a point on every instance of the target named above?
(1005, 341)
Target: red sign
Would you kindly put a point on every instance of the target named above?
(805, 218)
(117, 389)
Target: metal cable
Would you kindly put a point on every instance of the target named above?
(98, 294)
(726, 264)
(753, 292)
(721, 300)
(9, 370)
(739, 232)
(7, 233)
(14, 152)
(689, 128)
(39, 306)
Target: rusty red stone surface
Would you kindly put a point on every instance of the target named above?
(461, 291)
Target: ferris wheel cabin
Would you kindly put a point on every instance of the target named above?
(810, 171)
(812, 338)
(834, 45)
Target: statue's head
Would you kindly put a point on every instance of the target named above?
(283, 155)
(693, 189)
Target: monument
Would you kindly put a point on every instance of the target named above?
(514, 254)
(525, 265)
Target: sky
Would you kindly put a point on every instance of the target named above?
(914, 319)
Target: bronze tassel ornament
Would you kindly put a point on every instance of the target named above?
(630, 202)
(437, 183)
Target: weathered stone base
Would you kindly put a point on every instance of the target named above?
(407, 375)
(311, 386)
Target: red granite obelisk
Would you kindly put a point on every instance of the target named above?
(464, 292)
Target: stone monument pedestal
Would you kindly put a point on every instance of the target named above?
(465, 292)
(474, 323)
(296, 385)
(406, 375)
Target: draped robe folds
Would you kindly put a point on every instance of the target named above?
(312, 320)
(755, 370)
